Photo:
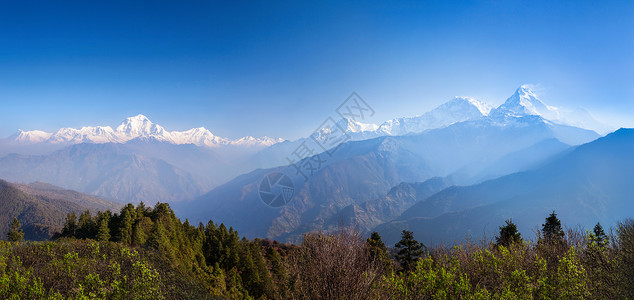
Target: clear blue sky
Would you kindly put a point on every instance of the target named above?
(279, 68)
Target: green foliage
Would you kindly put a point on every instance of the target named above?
(409, 251)
(378, 252)
(148, 253)
(508, 234)
(15, 233)
(552, 230)
(625, 268)
(74, 269)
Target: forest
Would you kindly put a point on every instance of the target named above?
(146, 252)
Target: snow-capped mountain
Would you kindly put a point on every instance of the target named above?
(33, 136)
(133, 128)
(456, 110)
(525, 102)
(522, 109)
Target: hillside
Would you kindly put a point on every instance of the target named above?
(113, 171)
(590, 184)
(41, 209)
(360, 171)
(54, 192)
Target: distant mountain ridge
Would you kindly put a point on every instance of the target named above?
(592, 183)
(114, 171)
(41, 209)
(351, 185)
(522, 105)
(135, 127)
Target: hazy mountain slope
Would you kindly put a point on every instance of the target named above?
(456, 110)
(376, 166)
(592, 183)
(107, 170)
(367, 215)
(366, 170)
(521, 160)
(39, 216)
(54, 192)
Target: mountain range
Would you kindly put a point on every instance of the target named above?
(376, 179)
(132, 128)
(352, 184)
(588, 184)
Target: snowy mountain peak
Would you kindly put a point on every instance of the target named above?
(354, 126)
(525, 102)
(137, 127)
(484, 108)
(141, 126)
(33, 136)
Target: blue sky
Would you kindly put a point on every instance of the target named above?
(280, 68)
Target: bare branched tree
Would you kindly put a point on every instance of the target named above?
(334, 266)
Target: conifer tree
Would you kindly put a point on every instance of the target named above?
(599, 234)
(70, 225)
(377, 247)
(378, 252)
(508, 234)
(86, 226)
(410, 250)
(127, 222)
(138, 236)
(15, 233)
(103, 232)
(552, 229)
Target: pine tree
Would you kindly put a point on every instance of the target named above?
(15, 233)
(552, 229)
(70, 226)
(139, 237)
(376, 244)
(378, 252)
(599, 235)
(277, 267)
(410, 250)
(127, 221)
(508, 234)
(86, 228)
(103, 232)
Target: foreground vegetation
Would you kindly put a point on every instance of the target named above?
(148, 253)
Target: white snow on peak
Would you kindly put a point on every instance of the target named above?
(252, 141)
(135, 127)
(525, 102)
(356, 127)
(458, 109)
(484, 108)
(33, 136)
(141, 126)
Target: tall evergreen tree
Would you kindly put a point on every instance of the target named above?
(128, 214)
(378, 251)
(103, 231)
(599, 234)
(552, 229)
(70, 225)
(86, 228)
(376, 244)
(15, 233)
(508, 234)
(409, 251)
